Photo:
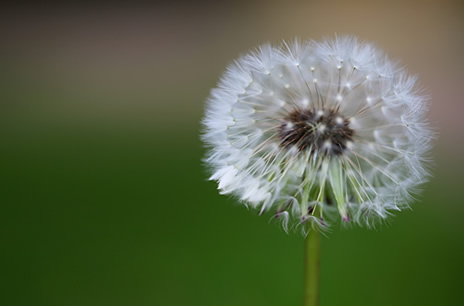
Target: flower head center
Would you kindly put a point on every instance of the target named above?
(320, 131)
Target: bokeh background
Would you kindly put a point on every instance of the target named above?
(104, 200)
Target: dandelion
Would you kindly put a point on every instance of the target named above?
(318, 132)
(315, 130)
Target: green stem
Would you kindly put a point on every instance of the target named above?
(311, 268)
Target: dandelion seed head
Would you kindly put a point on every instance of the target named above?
(318, 131)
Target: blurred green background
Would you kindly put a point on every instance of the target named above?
(104, 200)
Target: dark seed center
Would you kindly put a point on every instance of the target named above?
(321, 131)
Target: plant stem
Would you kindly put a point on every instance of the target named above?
(311, 268)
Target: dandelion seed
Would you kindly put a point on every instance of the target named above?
(343, 134)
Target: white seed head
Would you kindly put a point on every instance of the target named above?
(316, 130)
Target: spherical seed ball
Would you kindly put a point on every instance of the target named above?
(318, 130)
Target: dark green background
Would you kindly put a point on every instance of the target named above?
(105, 201)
